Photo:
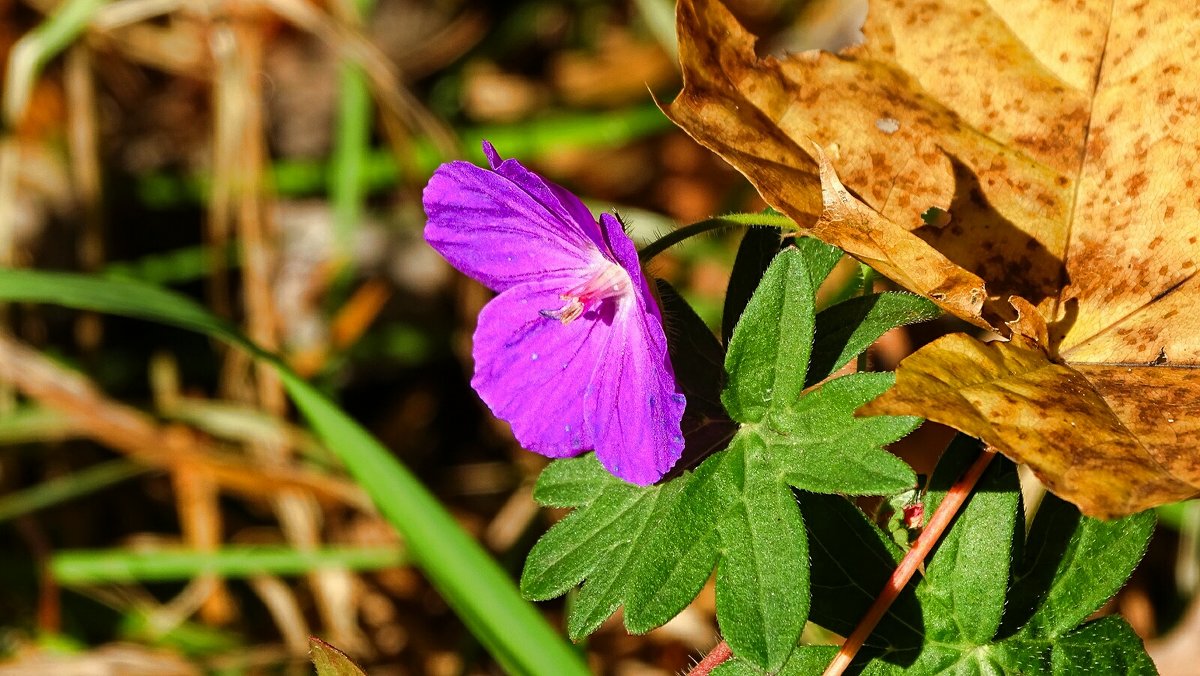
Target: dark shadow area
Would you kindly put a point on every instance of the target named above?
(981, 240)
(699, 363)
(851, 561)
(1058, 330)
(833, 330)
(754, 256)
(1036, 563)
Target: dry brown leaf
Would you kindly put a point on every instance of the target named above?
(1063, 140)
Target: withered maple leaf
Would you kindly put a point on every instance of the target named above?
(1063, 139)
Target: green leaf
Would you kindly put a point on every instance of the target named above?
(966, 577)
(478, 589)
(845, 330)
(330, 661)
(769, 350)
(820, 259)
(765, 551)
(759, 245)
(612, 518)
(651, 549)
(573, 482)
(673, 567)
(950, 620)
(1072, 564)
(826, 449)
(768, 353)
(607, 538)
(1105, 646)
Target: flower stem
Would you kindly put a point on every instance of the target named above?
(716, 223)
(712, 660)
(938, 523)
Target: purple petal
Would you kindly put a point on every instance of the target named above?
(634, 409)
(619, 247)
(533, 371)
(507, 226)
(557, 199)
(497, 233)
(493, 157)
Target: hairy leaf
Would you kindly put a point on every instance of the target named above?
(759, 245)
(949, 620)
(768, 353)
(846, 329)
(1059, 144)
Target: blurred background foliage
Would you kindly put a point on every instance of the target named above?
(266, 158)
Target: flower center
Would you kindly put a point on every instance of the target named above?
(609, 281)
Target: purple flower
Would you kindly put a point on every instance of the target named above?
(571, 352)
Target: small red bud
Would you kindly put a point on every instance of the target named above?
(914, 516)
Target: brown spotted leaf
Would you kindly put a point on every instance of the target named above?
(1063, 140)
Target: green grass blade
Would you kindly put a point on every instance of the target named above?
(32, 424)
(478, 589)
(347, 188)
(35, 49)
(124, 566)
(527, 140)
(67, 487)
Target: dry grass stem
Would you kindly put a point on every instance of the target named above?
(130, 431)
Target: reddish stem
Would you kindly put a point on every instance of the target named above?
(712, 660)
(938, 523)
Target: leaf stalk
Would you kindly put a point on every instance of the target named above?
(674, 237)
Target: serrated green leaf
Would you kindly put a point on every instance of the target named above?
(674, 567)
(1105, 646)
(805, 661)
(966, 578)
(765, 551)
(826, 449)
(962, 594)
(573, 482)
(612, 520)
(759, 245)
(769, 350)
(845, 330)
(1072, 564)
(652, 549)
(615, 532)
(600, 596)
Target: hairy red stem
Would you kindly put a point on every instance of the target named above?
(938, 523)
(712, 660)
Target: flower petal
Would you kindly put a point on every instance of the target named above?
(620, 248)
(506, 226)
(533, 371)
(634, 409)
